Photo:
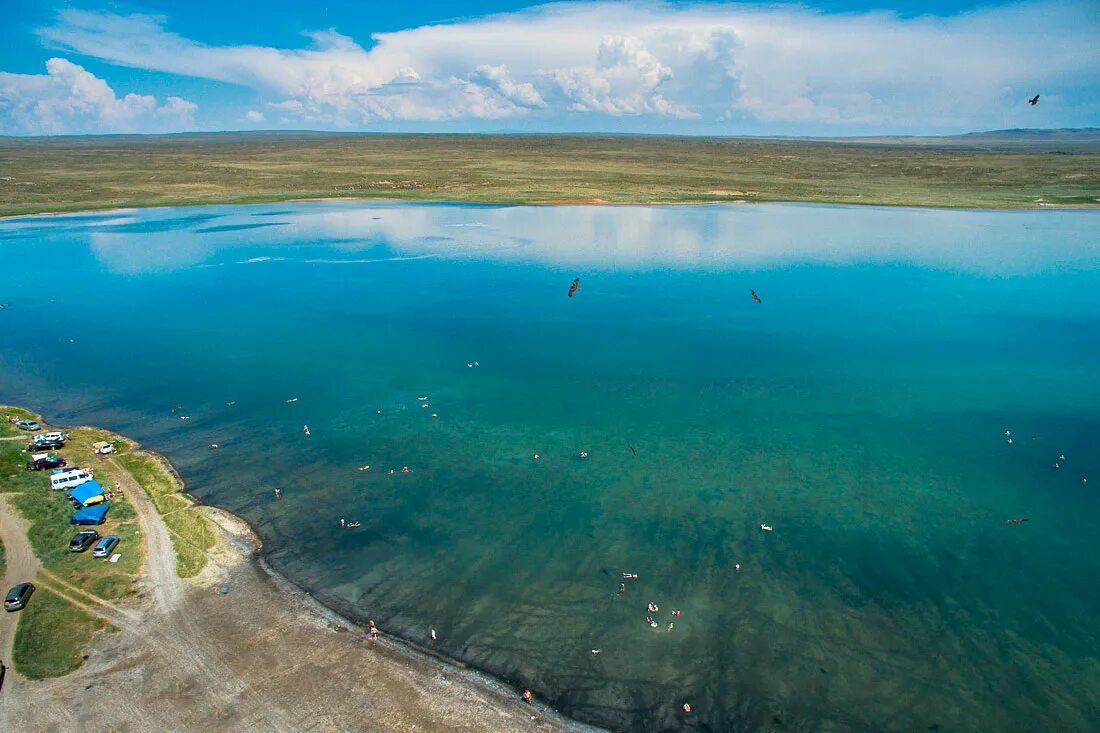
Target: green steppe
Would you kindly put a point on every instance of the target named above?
(77, 173)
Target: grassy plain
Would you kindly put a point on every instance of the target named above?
(77, 173)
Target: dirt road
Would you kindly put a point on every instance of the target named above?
(22, 566)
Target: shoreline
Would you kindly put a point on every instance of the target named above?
(717, 200)
(732, 201)
(244, 538)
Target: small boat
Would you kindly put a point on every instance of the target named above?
(767, 527)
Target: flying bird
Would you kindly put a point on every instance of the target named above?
(755, 296)
(575, 286)
(1034, 100)
(1018, 521)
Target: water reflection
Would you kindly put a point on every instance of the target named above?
(630, 238)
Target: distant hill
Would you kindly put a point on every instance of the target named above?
(1071, 137)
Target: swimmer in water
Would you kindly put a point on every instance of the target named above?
(433, 634)
(292, 400)
(653, 608)
(584, 455)
(341, 523)
(675, 613)
(687, 708)
(404, 469)
(305, 429)
(527, 696)
(767, 528)
(622, 588)
(278, 493)
(737, 566)
(213, 446)
(670, 625)
(536, 456)
(596, 652)
(365, 468)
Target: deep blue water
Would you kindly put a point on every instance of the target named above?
(860, 410)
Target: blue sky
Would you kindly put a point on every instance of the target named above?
(816, 68)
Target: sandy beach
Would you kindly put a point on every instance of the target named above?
(239, 649)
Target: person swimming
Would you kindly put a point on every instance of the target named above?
(404, 469)
(622, 588)
(292, 400)
(584, 455)
(653, 607)
(278, 493)
(596, 652)
(305, 429)
(365, 467)
(767, 528)
(537, 456)
(675, 613)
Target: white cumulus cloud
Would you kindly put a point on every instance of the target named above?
(70, 99)
(756, 63)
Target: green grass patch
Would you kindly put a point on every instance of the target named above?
(192, 537)
(51, 636)
(7, 429)
(191, 533)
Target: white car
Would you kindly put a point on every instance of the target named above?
(48, 437)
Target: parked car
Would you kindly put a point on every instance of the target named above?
(28, 425)
(49, 436)
(102, 448)
(82, 540)
(41, 464)
(18, 596)
(41, 445)
(106, 546)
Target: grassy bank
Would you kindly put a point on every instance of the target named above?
(192, 535)
(67, 174)
(51, 636)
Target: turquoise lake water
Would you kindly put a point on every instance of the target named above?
(860, 410)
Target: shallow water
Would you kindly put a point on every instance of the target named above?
(860, 410)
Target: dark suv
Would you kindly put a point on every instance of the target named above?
(18, 596)
(81, 541)
(43, 463)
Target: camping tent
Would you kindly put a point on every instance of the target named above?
(88, 493)
(90, 515)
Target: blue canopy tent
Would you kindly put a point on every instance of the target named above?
(88, 493)
(91, 515)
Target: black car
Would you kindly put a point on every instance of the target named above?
(81, 541)
(43, 463)
(42, 445)
(18, 596)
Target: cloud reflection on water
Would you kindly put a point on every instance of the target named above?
(611, 237)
